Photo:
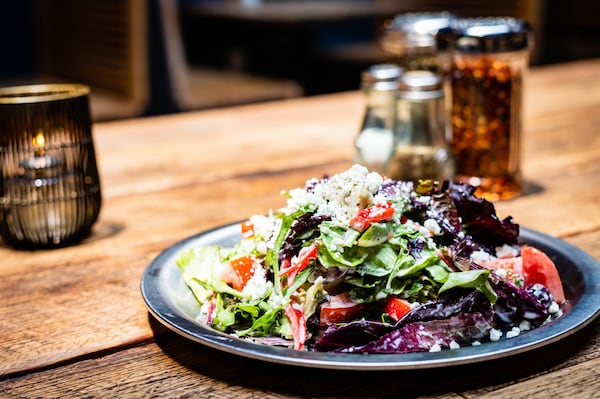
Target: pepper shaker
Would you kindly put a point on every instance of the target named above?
(374, 142)
(421, 150)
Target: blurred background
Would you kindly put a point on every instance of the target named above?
(148, 57)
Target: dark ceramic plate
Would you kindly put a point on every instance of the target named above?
(171, 302)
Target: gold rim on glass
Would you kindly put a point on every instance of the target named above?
(29, 94)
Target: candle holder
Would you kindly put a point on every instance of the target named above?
(50, 191)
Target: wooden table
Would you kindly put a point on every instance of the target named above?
(73, 322)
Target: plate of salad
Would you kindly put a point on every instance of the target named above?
(357, 271)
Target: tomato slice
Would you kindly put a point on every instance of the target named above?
(376, 213)
(539, 268)
(510, 269)
(239, 272)
(396, 307)
(533, 266)
(339, 309)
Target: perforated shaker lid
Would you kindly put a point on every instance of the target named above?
(381, 76)
(413, 33)
(420, 85)
(485, 35)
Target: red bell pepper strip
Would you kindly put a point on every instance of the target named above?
(305, 256)
(376, 213)
(298, 323)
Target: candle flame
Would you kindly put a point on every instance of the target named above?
(39, 141)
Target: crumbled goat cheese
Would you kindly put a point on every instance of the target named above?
(435, 348)
(495, 334)
(475, 343)
(481, 256)
(265, 226)
(276, 300)
(502, 273)
(418, 227)
(553, 308)
(525, 325)
(506, 251)
(514, 332)
(340, 196)
(433, 227)
(257, 286)
(454, 345)
(261, 247)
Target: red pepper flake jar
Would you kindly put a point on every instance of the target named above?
(484, 62)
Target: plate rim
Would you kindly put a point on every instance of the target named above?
(162, 307)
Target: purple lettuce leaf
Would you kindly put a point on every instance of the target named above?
(514, 304)
(479, 217)
(450, 305)
(443, 210)
(358, 333)
(427, 335)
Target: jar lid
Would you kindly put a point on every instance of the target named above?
(381, 76)
(31, 94)
(420, 85)
(412, 33)
(485, 35)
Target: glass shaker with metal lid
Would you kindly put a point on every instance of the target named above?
(420, 129)
(409, 39)
(485, 61)
(374, 142)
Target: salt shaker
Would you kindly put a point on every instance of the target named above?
(485, 62)
(374, 142)
(421, 150)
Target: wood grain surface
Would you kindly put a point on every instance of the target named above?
(72, 320)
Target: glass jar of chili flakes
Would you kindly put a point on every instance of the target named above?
(484, 62)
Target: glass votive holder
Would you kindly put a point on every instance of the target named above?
(50, 190)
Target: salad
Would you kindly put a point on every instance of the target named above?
(358, 263)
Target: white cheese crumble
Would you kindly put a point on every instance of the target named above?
(506, 251)
(495, 334)
(433, 227)
(418, 227)
(276, 300)
(481, 256)
(502, 273)
(475, 343)
(454, 345)
(514, 332)
(257, 286)
(553, 308)
(340, 196)
(435, 348)
(525, 325)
